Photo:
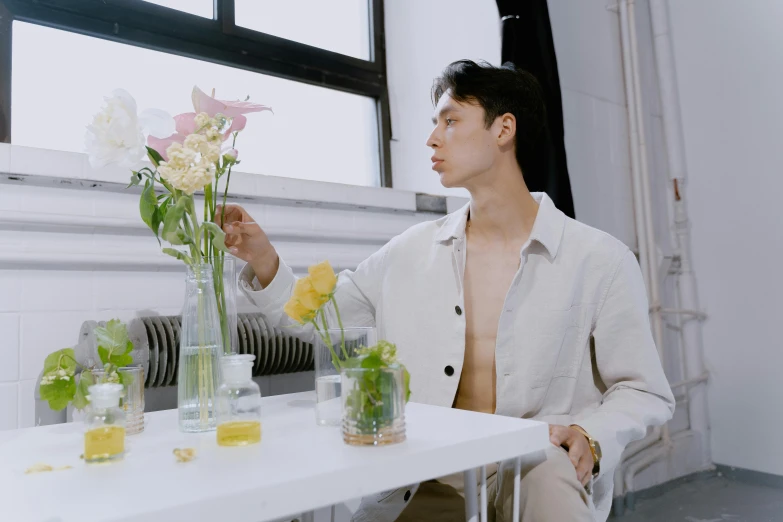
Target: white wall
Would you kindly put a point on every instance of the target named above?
(729, 58)
(423, 37)
(587, 44)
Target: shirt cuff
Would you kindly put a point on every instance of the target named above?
(275, 295)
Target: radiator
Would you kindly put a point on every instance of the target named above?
(156, 347)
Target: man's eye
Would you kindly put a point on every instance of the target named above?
(449, 121)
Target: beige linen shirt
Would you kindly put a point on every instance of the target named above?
(573, 345)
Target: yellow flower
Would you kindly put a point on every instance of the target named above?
(306, 294)
(323, 278)
(296, 311)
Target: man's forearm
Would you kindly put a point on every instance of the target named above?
(266, 268)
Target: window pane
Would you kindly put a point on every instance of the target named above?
(341, 26)
(196, 7)
(314, 133)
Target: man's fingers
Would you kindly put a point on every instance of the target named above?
(232, 213)
(574, 454)
(557, 435)
(245, 229)
(233, 240)
(585, 468)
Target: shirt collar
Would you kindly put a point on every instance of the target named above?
(547, 228)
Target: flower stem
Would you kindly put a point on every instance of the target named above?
(340, 322)
(327, 339)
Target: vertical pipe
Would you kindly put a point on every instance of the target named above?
(692, 335)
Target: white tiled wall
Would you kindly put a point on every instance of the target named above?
(8, 405)
(88, 257)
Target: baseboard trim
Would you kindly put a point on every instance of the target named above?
(628, 501)
(749, 476)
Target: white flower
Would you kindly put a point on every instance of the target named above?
(191, 165)
(116, 134)
(202, 119)
(194, 142)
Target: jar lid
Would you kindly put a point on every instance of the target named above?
(105, 395)
(237, 368)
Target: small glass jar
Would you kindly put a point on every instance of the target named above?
(238, 403)
(104, 423)
(373, 405)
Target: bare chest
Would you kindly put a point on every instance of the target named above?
(488, 275)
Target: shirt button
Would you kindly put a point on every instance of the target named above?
(448, 370)
(407, 495)
(458, 310)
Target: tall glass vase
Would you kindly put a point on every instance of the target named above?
(201, 347)
(224, 274)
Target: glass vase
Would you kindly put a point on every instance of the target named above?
(373, 406)
(201, 346)
(131, 397)
(330, 350)
(224, 275)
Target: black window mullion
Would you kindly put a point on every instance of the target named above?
(6, 39)
(378, 39)
(224, 11)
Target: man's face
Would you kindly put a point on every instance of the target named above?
(463, 148)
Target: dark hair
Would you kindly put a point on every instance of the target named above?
(499, 90)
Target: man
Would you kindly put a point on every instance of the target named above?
(504, 307)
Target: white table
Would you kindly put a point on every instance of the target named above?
(298, 466)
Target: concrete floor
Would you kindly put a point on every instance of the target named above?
(710, 499)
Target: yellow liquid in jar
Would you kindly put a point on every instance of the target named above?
(239, 433)
(104, 443)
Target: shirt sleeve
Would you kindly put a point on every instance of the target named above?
(638, 394)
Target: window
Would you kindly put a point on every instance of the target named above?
(330, 120)
(312, 22)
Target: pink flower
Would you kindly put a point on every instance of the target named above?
(230, 109)
(184, 125)
(186, 122)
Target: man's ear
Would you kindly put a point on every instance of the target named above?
(506, 129)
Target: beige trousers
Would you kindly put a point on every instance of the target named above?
(549, 492)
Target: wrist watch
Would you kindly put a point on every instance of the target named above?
(595, 448)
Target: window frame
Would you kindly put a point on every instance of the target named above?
(217, 40)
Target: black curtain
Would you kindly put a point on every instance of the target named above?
(528, 44)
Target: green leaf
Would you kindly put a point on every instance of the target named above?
(135, 179)
(372, 361)
(59, 393)
(86, 379)
(406, 381)
(182, 256)
(148, 205)
(122, 360)
(113, 344)
(61, 359)
(218, 236)
(178, 237)
(113, 336)
(103, 353)
(172, 220)
(154, 156)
